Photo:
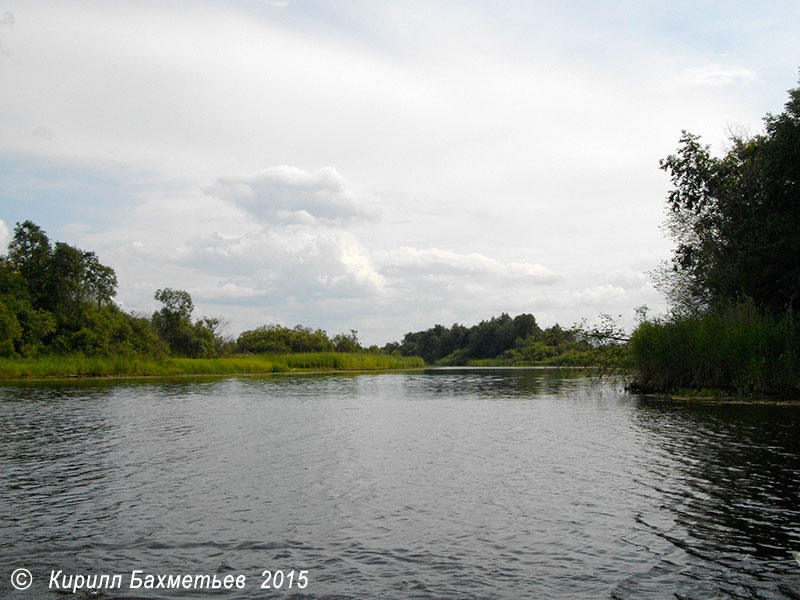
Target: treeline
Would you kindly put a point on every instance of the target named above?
(734, 278)
(504, 340)
(56, 299)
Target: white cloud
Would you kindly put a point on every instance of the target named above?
(601, 295)
(5, 237)
(229, 290)
(291, 195)
(6, 20)
(717, 75)
(409, 262)
(44, 132)
(235, 260)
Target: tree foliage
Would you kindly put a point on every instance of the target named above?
(59, 298)
(347, 342)
(275, 339)
(734, 277)
(202, 339)
(736, 219)
(517, 340)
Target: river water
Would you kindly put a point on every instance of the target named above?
(460, 484)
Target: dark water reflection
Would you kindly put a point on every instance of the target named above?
(447, 484)
(727, 479)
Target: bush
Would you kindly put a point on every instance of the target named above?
(275, 339)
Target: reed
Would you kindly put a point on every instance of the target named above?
(610, 356)
(129, 366)
(737, 348)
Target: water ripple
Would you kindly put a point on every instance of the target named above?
(449, 484)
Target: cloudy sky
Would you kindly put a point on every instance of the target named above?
(371, 165)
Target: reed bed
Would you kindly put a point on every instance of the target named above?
(132, 366)
(738, 348)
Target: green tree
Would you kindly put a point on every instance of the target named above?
(55, 298)
(29, 254)
(495, 338)
(218, 326)
(174, 324)
(178, 305)
(276, 339)
(99, 281)
(736, 219)
(51, 290)
(491, 338)
(525, 326)
(267, 339)
(347, 342)
(10, 331)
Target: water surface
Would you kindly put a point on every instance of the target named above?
(446, 484)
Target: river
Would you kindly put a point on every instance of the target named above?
(457, 484)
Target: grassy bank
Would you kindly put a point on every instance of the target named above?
(604, 357)
(739, 349)
(127, 366)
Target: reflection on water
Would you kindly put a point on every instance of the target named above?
(727, 480)
(443, 484)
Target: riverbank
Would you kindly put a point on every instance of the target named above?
(737, 350)
(47, 367)
(607, 357)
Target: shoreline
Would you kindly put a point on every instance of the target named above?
(294, 371)
(71, 368)
(111, 378)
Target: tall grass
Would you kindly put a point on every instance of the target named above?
(130, 366)
(606, 357)
(737, 348)
(347, 361)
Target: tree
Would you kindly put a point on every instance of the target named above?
(218, 326)
(177, 304)
(100, 281)
(276, 339)
(10, 331)
(347, 342)
(736, 219)
(491, 338)
(61, 276)
(525, 325)
(174, 324)
(29, 254)
(61, 296)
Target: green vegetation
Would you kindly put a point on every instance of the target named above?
(135, 366)
(281, 340)
(739, 348)
(58, 319)
(173, 323)
(506, 341)
(57, 299)
(734, 278)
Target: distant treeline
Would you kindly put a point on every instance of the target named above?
(505, 340)
(56, 299)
